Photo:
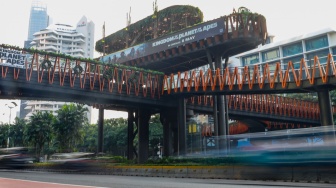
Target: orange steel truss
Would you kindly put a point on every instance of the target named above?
(267, 104)
(211, 80)
(120, 79)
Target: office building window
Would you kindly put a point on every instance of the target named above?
(295, 60)
(292, 49)
(272, 66)
(334, 53)
(322, 56)
(270, 55)
(317, 43)
(250, 60)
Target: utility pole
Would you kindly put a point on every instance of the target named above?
(9, 120)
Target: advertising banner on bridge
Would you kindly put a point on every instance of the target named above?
(188, 35)
(125, 55)
(12, 58)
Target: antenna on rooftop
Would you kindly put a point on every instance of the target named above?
(128, 18)
(104, 39)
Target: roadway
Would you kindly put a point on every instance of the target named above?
(29, 179)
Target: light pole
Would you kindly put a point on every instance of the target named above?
(10, 117)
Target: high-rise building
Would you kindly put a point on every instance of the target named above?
(38, 20)
(63, 38)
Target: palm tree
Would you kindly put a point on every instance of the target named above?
(4, 135)
(69, 126)
(16, 132)
(39, 130)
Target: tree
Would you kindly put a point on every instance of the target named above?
(333, 102)
(155, 133)
(4, 135)
(115, 136)
(90, 142)
(16, 132)
(304, 96)
(69, 126)
(39, 131)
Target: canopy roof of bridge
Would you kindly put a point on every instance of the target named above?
(235, 33)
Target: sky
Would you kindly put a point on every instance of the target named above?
(285, 19)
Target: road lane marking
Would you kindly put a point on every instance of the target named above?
(13, 183)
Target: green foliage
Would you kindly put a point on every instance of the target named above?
(155, 133)
(69, 126)
(39, 131)
(303, 96)
(4, 129)
(171, 19)
(16, 133)
(90, 141)
(333, 97)
(78, 69)
(115, 136)
(194, 161)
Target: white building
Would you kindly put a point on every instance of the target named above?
(47, 106)
(62, 38)
(307, 46)
(75, 41)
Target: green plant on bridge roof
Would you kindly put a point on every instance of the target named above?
(168, 20)
(78, 69)
(66, 56)
(46, 64)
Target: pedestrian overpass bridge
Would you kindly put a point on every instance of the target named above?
(250, 91)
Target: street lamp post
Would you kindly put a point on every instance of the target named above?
(9, 120)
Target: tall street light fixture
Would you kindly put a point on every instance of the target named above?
(10, 106)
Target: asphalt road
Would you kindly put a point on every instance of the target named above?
(30, 179)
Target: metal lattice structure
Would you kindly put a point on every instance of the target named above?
(256, 79)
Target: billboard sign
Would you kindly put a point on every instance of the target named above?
(125, 55)
(12, 58)
(188, 35)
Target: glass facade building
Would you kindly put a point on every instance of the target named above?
(38, 20)
(306, 47)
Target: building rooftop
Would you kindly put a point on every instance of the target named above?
(288, 41)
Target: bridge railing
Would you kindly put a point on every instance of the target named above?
(266, 104)
(261, 75)
(87, 73)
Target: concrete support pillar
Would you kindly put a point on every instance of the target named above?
(143, 133)
(167, 119)
(181, 115)
(222, 121)
(100, 130)
(130, 132)
(166, 139)
(215, 118)
(326, 114)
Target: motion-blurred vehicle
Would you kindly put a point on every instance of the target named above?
(16, 157)
(72, 161)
